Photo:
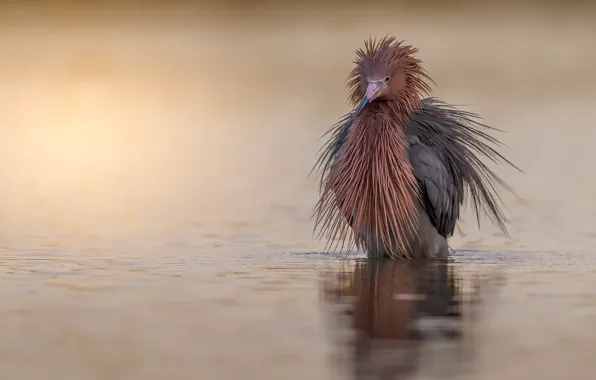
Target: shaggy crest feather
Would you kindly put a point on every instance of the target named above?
(390, 54)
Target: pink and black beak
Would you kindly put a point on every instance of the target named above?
(372, 91)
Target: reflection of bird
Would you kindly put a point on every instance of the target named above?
(400, 312)
(396, 169)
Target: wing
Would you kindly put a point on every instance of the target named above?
(446, 147)
(336, 137)
(326, 212)
(440, 195)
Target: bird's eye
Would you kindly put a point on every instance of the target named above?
(386, 79)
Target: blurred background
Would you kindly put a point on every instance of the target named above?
(154, 161)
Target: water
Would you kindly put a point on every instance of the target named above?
(156, 206)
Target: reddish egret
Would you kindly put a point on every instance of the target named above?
(396, 170)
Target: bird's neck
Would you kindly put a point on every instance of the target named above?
(394, 113)
(400, 108)
(372, 179)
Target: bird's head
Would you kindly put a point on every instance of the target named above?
(387, 70)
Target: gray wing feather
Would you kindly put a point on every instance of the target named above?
(446, 147)
(439, 193)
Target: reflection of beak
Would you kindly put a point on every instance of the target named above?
(372, 91)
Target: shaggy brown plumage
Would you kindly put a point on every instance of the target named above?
(394, 172)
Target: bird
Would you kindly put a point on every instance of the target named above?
(396, 170)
